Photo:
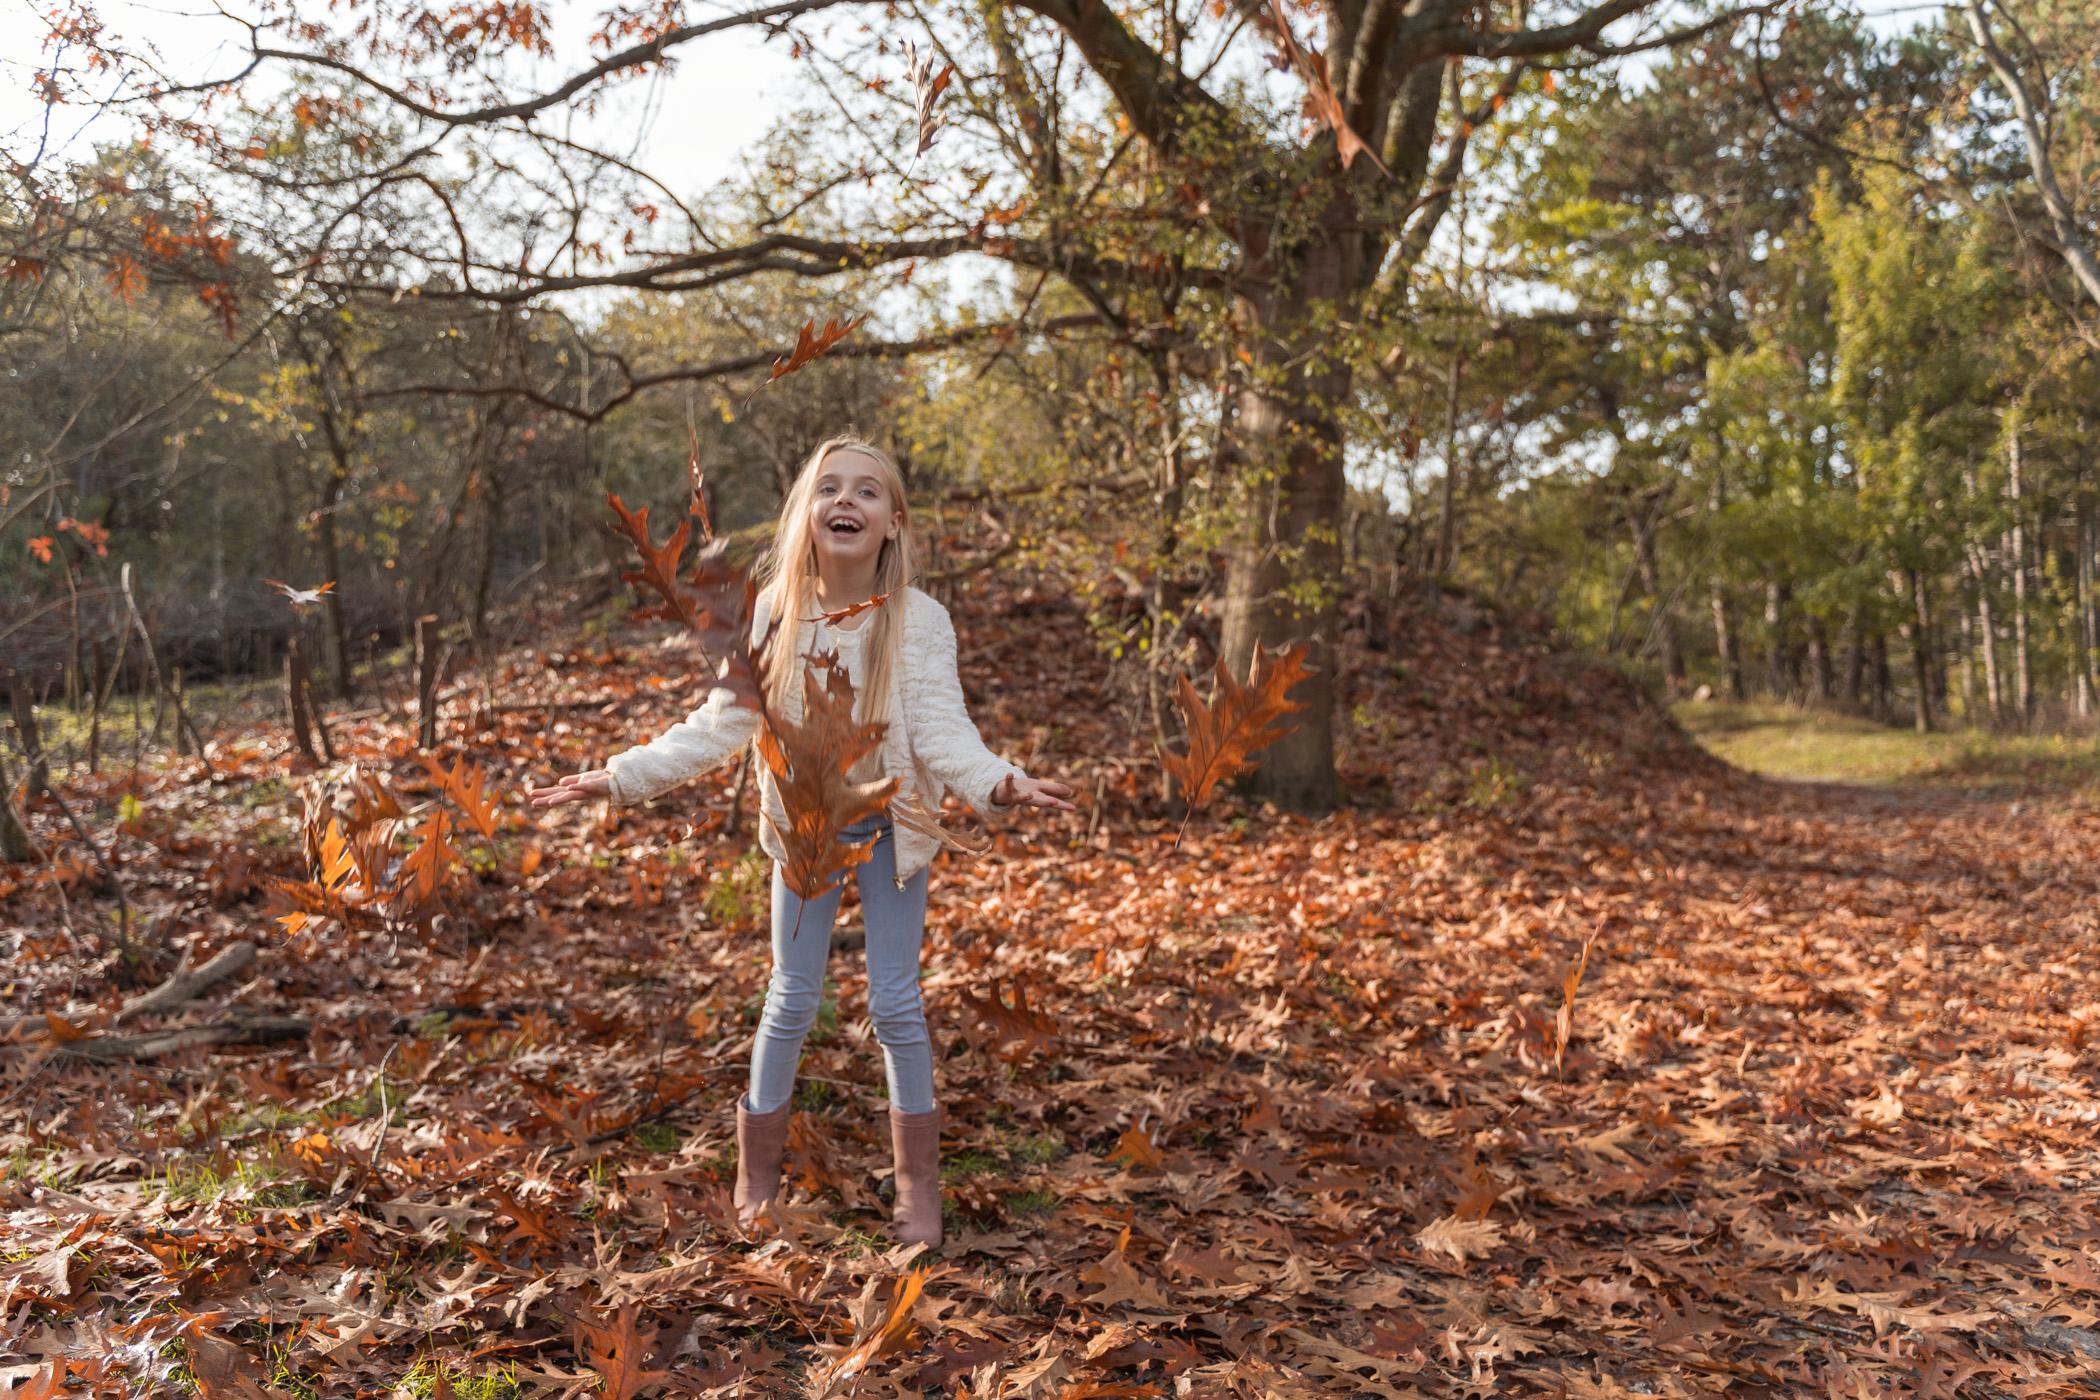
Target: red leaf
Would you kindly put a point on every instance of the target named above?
(811, 343)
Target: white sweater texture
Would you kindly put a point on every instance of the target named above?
(931, 747)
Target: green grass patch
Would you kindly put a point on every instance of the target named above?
(960, 1166)
(738, 896)
(1783, 741)
(421, 1382)
(255, 1183)
(656, 1137)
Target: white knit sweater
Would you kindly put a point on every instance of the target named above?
(931, 747)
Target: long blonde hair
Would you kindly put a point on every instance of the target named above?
(788, 573)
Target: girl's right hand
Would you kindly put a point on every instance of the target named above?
(577, 787)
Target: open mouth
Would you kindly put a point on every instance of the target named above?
(845, 525)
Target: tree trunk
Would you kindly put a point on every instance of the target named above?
(1664, 621)
(332, 565)
(1779, 668)
(1855, 656)
(2085, 632)
(1920, 630)
(1884, 683)
(1819, 659)
(2016, 559)
(1447, 512)
(1282, 579)
(1724, 644)
(1987, 635)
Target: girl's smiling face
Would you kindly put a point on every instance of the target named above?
(851, 513)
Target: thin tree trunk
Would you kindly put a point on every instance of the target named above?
(1447, 517)
(1819, 659)
(1855, 656)
(2016, 552)
(1920, 650)
(2086, 632)
(1724, 644)
(1884, 682)
(1987, 634)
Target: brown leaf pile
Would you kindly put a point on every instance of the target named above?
(1276, 1116)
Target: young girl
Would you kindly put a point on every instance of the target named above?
(844, 537)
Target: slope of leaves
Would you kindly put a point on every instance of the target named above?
(1274, 1116)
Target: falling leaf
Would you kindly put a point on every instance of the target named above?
(927, 87)
(811, 758)
(125, 277)
(464, 785)
(1564, 1020)
(717, 601)
(302, 598)
(888, 1336)
(1320, 97)
(811, 344)
(1239, 722)
(429, 864)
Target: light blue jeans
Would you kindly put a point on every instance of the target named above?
(896, 923)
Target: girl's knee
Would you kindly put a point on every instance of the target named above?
(898, 1015)
(791, 1006)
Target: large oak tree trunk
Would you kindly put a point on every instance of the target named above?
(1283, 578)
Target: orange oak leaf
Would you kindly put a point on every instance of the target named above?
(717, 601)
(888, 1336)
(614, 1349)
(1239, 722)
(811, 344)
(812, 759)
(1018, 1022)
(427, 866)
(465, 786)
(1564, 1021)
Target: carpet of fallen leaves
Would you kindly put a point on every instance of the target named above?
(1275, 1114)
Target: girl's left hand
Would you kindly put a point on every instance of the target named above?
(1033, 792)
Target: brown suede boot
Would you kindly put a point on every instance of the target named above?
(759, 1140)
(915, 1143)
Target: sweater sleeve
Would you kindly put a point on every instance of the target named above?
(943, 733)
(702, 740)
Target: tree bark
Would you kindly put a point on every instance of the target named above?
(2016, 557)
(1724, 644)
(2085, 632)
(1282, 579)
(1920, 630)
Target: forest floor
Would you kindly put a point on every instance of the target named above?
(1273, 1114)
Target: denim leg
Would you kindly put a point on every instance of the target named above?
(801, 947)
(896, 923)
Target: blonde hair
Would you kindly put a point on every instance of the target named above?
(789, 574)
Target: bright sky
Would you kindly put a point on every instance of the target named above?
(691, 123)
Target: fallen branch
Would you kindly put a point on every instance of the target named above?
(187, 984)
(249, 1030)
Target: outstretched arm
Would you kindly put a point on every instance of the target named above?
(948, 742)
(700, 741)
